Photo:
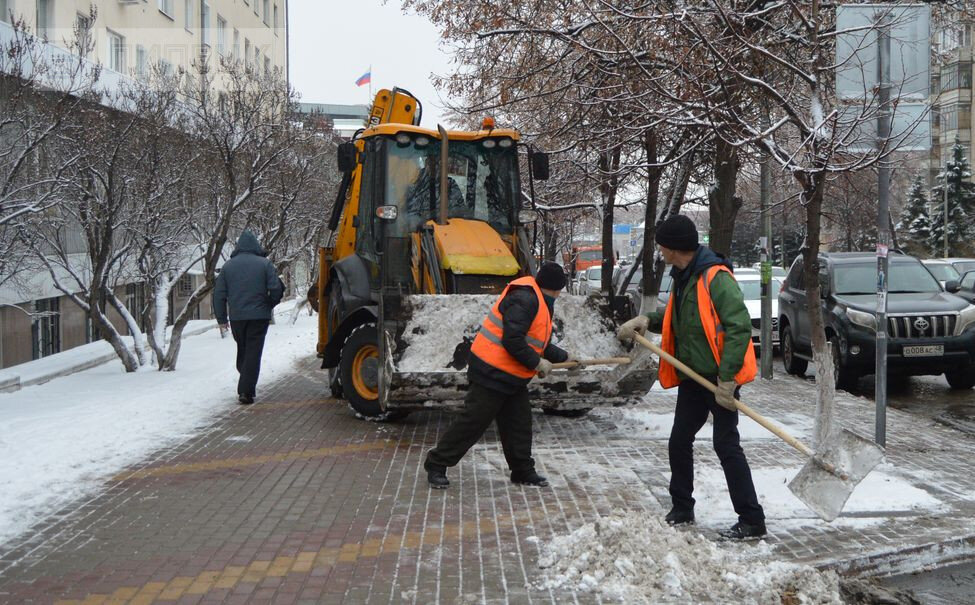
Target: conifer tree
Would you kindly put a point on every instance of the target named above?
(961, 205)
(914, 226)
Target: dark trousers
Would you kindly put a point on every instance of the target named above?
(249, 335)
(481, 406)
(694, 402)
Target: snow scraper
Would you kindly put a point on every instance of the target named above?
(427, 229)
(828, 478)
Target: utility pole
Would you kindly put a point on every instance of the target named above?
(946, 210)
(883, 226)
(765, 246)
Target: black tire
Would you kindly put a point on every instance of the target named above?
(793, 365)
(962, 379)
(359, 374)
(846, 379)
(573, 413)
(335, 383)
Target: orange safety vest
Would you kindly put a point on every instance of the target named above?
(667, 373)
(487, 344)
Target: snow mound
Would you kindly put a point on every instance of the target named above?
(636, 559)
(438, 323)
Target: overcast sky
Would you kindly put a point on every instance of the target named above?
(333, 42)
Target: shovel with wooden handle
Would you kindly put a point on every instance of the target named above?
(826, 481)
(581, 363)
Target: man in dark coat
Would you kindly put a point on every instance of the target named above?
(250, 287)
(499, 395)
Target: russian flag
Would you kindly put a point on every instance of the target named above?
(364, 79)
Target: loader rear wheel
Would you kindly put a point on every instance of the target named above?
(359, 371)
(573, 413)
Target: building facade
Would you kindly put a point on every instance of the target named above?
(951, 95)
(346, 119)
(128, 36)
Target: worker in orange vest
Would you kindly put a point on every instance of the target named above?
(706, 326)
(511, 348)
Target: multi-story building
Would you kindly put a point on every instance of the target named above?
(951, 95)
(130, 35)
(127, 36)
(346, 119)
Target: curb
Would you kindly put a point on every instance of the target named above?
(909, 560)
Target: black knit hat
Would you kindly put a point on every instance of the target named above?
(677, 233)
(550, 276)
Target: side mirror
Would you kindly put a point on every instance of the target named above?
(527, 216)
(952, 286)
(823, 285)
(539, 165)
(345, 158)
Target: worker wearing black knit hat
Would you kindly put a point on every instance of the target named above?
(512, 347)
(707, 327)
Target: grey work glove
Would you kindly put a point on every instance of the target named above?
(637, 325)
(574, 370)
(544, 368)
(725, 395)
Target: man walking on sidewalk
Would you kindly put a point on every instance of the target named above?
(250, 287)
(706, 326)
(511, 348)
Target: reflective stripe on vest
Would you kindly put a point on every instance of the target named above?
(713, 330)
(487, 344)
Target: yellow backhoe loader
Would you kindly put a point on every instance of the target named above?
(427, 229)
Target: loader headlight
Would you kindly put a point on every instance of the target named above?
(966, 319)
(422, 141)
(505, 143)
(403, 139)
(387, 213)
(860, 318)
(489, 143)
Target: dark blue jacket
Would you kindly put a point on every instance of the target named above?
(247, 284)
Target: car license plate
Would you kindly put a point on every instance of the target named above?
(924, 351)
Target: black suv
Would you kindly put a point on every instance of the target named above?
(929, 330)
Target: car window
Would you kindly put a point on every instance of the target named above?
(795, 276)
(594, 273)
(943, 271)
(964, 266)
(751, 289)
(968, 281)
(665, 282)
(904, 278)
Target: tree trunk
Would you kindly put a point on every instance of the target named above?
(723, 201)
(609, 162)
(175, 338)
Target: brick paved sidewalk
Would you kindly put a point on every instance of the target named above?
(294, 500)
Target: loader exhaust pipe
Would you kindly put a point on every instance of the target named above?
(444, 190)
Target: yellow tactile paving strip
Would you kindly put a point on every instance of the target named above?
(303, 563)
(212, 465)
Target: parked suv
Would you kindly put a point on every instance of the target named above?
(929, 330)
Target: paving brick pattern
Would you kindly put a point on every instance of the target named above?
(293, 500)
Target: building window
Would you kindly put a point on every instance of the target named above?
(256, 7)
(44, 17)
(141, 61)
(276, 26)
(116, 52)
(82, 26)
(267, 12)
(955, 76)
(185, 286)
(4, 11)
(257, 59)
(135, 302)
(46, 327)
(221, 36)
(247, 52)
(205, 22)
(236, 44)
(267, 65)
(956, 117)
(188, 14)
(166, 7)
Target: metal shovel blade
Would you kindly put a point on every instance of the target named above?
(824, 491)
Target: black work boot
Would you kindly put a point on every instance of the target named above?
(680, 516)
(245, 399)
(743, 531)
(529, 477)
(436, 476)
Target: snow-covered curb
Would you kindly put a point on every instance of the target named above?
(633, 558)
(59, 441)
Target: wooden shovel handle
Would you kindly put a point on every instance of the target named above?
(592, 362)
(704, 382)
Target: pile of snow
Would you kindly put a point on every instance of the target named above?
(636, 559)
(438, 323)
(642, 422)
(62, 440)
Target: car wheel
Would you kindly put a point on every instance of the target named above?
(793, 365)
(845, 378)
(961, 379)
(360, 375)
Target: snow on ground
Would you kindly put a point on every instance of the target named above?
(642, 422)
(60, 440)
(635, 559)
(439, 323)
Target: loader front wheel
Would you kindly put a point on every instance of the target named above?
(360, 375)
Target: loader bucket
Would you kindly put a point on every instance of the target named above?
(428, 357)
